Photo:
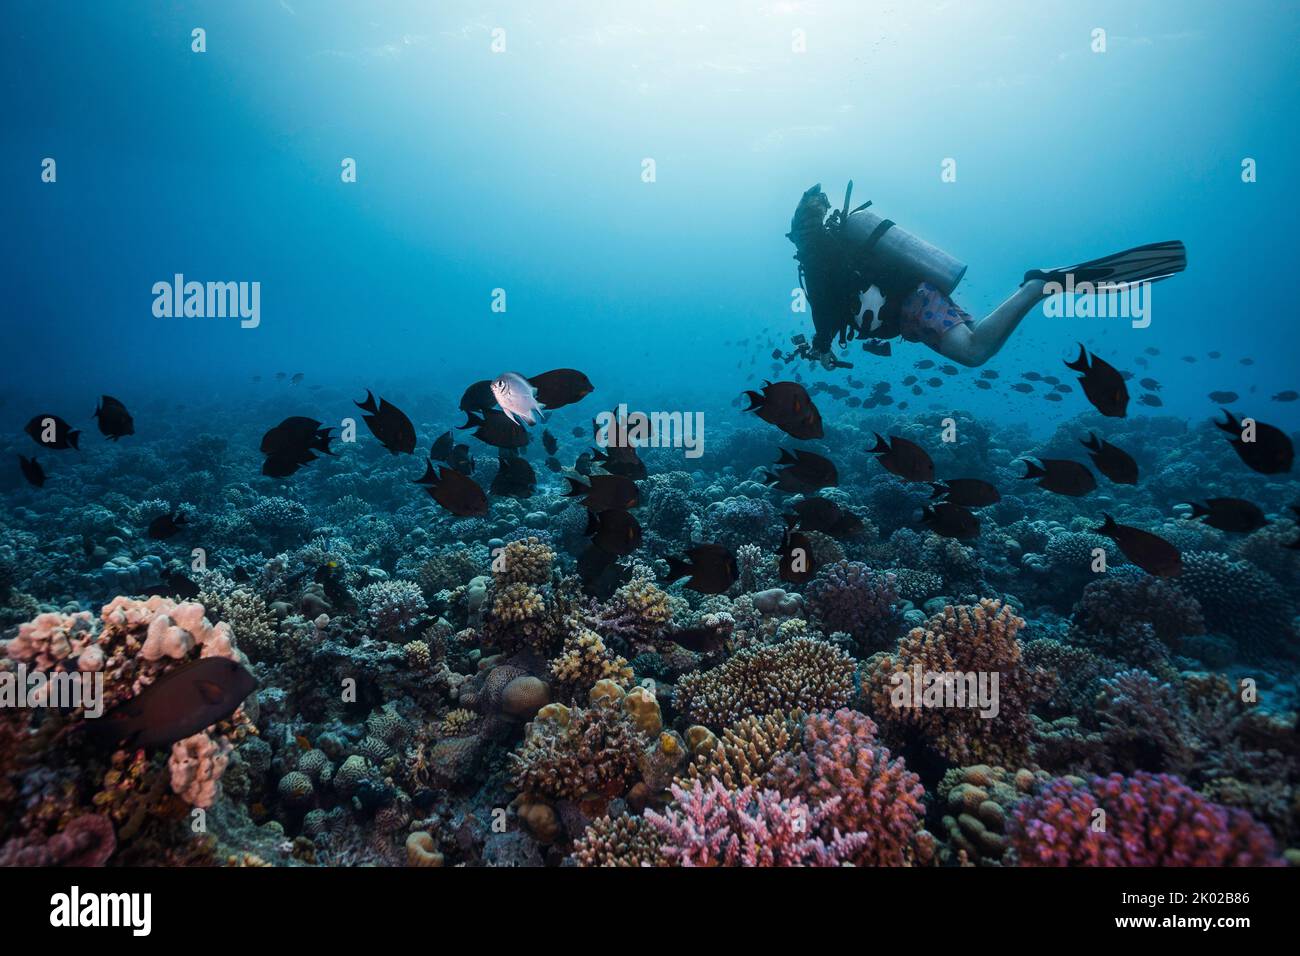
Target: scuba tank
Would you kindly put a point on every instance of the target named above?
(882, 247)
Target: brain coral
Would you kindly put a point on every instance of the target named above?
(801, 674)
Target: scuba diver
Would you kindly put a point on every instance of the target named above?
(867, 278)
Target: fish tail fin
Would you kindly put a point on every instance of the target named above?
(430, 477)
(786, 458)
(1108, 526)
(791, 522)
(940, 489)
(677, 569)
(1081, 363)
(770, 478)
(1199, 510)
(369, 404)
(576, 487)
(1092, 442)
(1230, 423)
(472, 420)
(74, 439)
(1033, 469)
(755, 400)
(881, 445)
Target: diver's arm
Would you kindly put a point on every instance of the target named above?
(975, 344)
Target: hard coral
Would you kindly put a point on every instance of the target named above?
(850, 597)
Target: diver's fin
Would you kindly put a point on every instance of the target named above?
(1149, 263)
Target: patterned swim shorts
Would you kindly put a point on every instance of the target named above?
(927, 314)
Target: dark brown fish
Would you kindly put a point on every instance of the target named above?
(950, 520)
(60, 434)
(515, 478)
(560, 387)
(1060, 475)
(788, 406)
(1269, 453)
(620, 460)
(166, 526)
(549, 444)
(903, 458)
(496, 428)
(1230, 514)
(614, 532)
(802, 471)
(478, 397)
(442, 447)
(797, 565)
(1113, 462)
(292, 444)
(701, 640)
(605, 493)
(458, 493)
(177, 705)
(967, 492)
(1102, 384)
(114, 420)
(389, 424)
(1148, 551)
(32, 471)
(814, 514)
(709, 569)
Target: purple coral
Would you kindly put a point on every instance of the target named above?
(848, 596)
(1146, 820)
(87, 840)
(713, 826)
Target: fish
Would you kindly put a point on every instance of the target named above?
(708, 568)
(578, 431)
(1063, 388)
(1051, 380)
(179, 704)
(988, 373)
(967, 492)
(51, 431)
(1060, 475)
(984, 384)
(916, 389)
(32, 471)
(297, 378)
(1150, 384)
(175, 585)
(1031, 376)
(1023, 387)
(935, 382)
(1102, 384)
(515, 478)
(948, 369)
(549, 443)
(797, 564)
(605, 493)
(389, 424)
(1053, 397)
(950, 520)
(514, 394)
(166, 526)
(496, 428)
(1189, 359)
(115, 421)
(1146, 398)
(614, 532)
(461, 460)
(1223, 398)
(924, 364)
(879, 347)
(1112, 461)
(553, 464)
(601, 573)
(560, 387)
(478, 397)
(814, 514)
(903, 458)
(1288, 396)
(1230, 514)
(701, 640)
(442, 447)
(1148, 551)
(802, 471)
(910, 380)
(457, 493)
(281, 376)
(293, 443)
(788, 406)
(1248, 361)
(1151, 350)
(1213, 355)
(1271, 452)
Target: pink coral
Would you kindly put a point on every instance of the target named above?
(49, 639)
(196, 766)
(87, 840)
(1146, 820)
(844, 767)
(713, 826)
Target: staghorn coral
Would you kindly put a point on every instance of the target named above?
(745, 752)
(1146, 820)
(964, 640)
(800, 674)
(843, 768)
(710, 825)
(624, 840)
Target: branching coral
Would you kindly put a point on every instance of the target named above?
(624, 840)
(851, 598)
(578, 752)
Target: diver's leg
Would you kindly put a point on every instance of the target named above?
(975, 344)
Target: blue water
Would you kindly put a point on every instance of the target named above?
(521, 170)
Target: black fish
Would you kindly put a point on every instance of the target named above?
(389, 424)
(1024, 387)
(549, 443)
(1150, 384)
(166, 526)
(605, 493)
(459, 494)
(1288, 396)
(32, 471)
(967, 492)
(1032, 376)
(934, 382)
(1147, 398)
(701, 640)
(988, 373)
(478, 397)
(924, 364)
(51, 431)
(1248, 361)
(601, 573)
(560, 387)
(175, 585)
(1151, 350)
(983, 383)
(709, 569)
(948, 369)
(614, 532)
(1060, 475)
(903, 458)
(578, 431)
(293, 443)
(620, 460)
(1113, 462)
(1102, 383)
(1213, 355)
(814, 514)
(461, 460)
(496, 428)
(877, 347)
(114, 420)
(802, 471)
(1051, 380)
(1052, 397)
(177, 705)
(583, 463)
(950, 520)
(1189, 359)
(553, 464)
(1230, 514)
(1148, 551)
(1271, 452)
(1223, 398)
(910, 380)
(788, 406)
(797, 565)
(442, 447)
(515, 478)
(1063, 388)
